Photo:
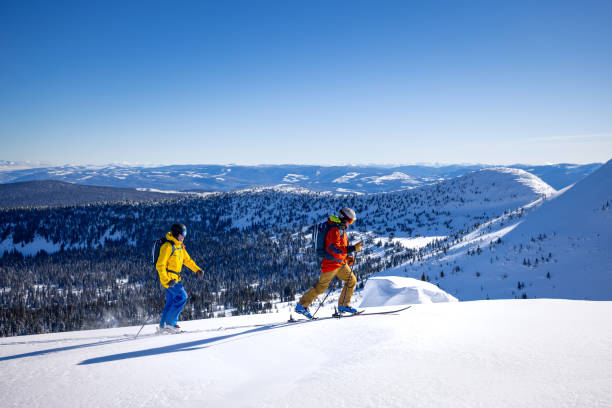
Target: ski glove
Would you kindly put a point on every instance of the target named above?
(350, 260)
(358, 246)
(171, 283)
(199, 274)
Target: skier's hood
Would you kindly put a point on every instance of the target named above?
(174, 241)
(334, 219)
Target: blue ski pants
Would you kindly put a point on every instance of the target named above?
(176, 297)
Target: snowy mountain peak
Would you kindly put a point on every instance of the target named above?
(505, 175)
(530, 180)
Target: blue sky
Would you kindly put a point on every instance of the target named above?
(259, 82)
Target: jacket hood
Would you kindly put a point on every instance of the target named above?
(334, 219)
(171, 238)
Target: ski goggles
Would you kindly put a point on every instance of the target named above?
(348, 220)
(184, 233)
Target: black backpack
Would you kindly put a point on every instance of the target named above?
(319, 233)
(157, 246)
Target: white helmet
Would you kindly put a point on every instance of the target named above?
(348, 214)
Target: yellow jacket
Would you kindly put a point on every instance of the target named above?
(170, 263)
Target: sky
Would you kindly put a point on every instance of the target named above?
(317, 82)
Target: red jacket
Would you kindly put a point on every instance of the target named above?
(336, 248)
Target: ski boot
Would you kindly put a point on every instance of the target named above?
(173, 329)
(347, 309)
(303, 311)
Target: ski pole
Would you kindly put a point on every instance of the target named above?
(353, 267)
(143, 325)
(323, 301)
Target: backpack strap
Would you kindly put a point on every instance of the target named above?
(157, 244)
(172, 253)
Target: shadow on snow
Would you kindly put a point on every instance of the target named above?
(178, 347)
(173, 348)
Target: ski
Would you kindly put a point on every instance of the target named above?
(338, 314)
(366, 313)
(164, 332)
(363, 312)
(300, 319)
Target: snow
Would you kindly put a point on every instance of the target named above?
(397, 175)
(395, 290)
(533, 182)
(411, 243)
(506, 353)
(346, 178)
(294, 178)
(154, 190)
(42, 244)
(32, 248)
(61, 172)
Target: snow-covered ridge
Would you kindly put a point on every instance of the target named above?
(533, 182)
(502, 184)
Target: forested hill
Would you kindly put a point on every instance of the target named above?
(52, 193)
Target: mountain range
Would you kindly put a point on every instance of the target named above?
(209, 178)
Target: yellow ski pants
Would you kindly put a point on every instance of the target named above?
(345, 274)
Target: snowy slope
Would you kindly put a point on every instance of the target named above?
(561, 248)
(511, 353)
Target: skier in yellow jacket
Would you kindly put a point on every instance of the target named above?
(172, 257)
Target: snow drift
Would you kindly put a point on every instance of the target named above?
(395, 290)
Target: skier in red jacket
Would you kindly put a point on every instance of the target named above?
(335, 263)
